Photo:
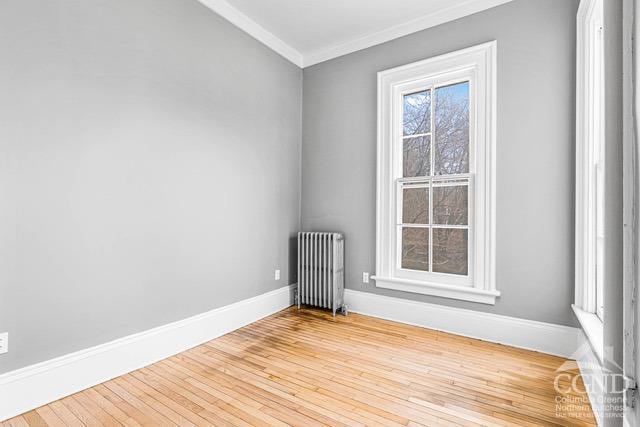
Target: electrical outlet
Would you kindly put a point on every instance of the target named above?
(277, 275)
(4, 342)
(365, 277)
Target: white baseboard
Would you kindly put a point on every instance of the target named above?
(547, 338)
(28, 388)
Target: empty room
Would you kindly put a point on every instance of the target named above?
(319, 213)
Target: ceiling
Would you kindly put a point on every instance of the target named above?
(311, 31)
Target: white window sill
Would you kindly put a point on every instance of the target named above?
(438, 289)
(593, 329)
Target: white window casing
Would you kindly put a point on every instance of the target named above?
(589, 171)
(589, 128)
(477, 66)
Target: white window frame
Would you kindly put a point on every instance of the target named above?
(589, 130)
(477, 65)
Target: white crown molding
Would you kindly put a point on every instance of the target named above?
(558, 340)
(254, 29)
(28, 388)
(251, 27)
(431, 20)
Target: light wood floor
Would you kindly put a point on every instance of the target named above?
(306, 368)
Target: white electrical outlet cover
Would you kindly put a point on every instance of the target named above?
(277, 276)
(365, 277)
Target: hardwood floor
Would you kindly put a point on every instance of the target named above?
(306, 368)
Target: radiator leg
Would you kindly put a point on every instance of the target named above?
(344, 310)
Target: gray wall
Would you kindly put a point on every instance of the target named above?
(535, 158)
(149, 169)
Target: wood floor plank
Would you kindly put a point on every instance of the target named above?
(210, 404)
(34, 419)
(106, 405)
(86, 417)
(329, 408)
(308, 368)
(102, 416)
(50, 417)
(18, 421)
(211, 380)
(153, 403)
(154, 394)
(67, 417)
(128, 408)
(125, 394)
(273, 404)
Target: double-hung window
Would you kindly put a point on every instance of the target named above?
(436, 151)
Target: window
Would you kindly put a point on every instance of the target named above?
(436, 195)
(433, 215)
(589, 301)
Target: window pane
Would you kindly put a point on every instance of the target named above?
(416, 156)
(450, 251)
(451, 153)
(451, 205)
(415, 248)
(417, 113)
(415, 205)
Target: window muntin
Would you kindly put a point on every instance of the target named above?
(433, 221)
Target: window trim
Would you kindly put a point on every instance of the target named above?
(585, 304)
(478, 64)
(585, 296)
